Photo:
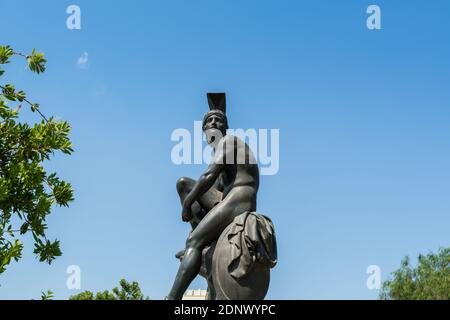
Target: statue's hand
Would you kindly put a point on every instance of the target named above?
(186, 215)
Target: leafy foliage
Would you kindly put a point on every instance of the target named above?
(47, 295)
(127, 291)
(429, 281)
(27, 191)
(36, 62)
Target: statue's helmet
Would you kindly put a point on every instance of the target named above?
(217, 107)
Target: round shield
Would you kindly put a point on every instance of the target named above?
(252, 286)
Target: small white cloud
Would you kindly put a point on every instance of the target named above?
(82, 61)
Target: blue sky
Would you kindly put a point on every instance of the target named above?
(363, 118)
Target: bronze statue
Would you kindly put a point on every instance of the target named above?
(230, 245)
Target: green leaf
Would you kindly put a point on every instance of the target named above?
(20, 96)
(34, 107)
(36, 62)
(48, 251)
(5, 53)
(47, 295)
(9, 92)
(24, 228)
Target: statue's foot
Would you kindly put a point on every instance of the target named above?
(180, 254)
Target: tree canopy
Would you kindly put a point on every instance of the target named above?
(127, 291)
(27, 191)
(430, 280)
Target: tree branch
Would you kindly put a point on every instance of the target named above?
(31, 105)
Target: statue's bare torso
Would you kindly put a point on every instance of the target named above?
(240, 169)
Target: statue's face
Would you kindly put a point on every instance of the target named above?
(214, 129)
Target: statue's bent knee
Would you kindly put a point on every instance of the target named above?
(183, 183)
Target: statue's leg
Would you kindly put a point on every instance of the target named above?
(205, 203)
(199, 208)
(207, 231)
(184, 186)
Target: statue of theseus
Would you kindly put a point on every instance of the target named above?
(226, 190)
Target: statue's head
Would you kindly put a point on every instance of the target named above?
(215, 123)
